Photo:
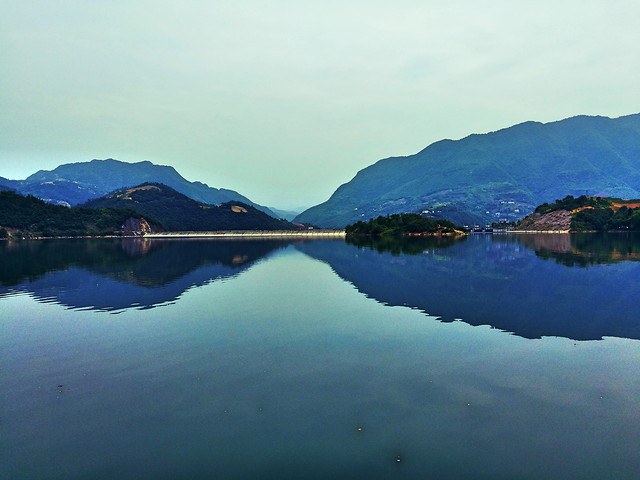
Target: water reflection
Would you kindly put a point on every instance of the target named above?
(114, 274)
(404, 245)
(504, 281)
(582, 249)
(520, 284)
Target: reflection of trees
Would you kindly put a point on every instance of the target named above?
(583, 249)
(402, 244)
(137, 261)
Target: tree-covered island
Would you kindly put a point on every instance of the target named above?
(408, 224)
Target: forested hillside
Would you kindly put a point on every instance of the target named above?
(29, 216)
(178, 212)
(496, 176)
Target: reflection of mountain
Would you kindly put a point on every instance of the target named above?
(582, 249)
(113, 274)
(492, 280)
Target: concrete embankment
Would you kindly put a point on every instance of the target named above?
(315, 233)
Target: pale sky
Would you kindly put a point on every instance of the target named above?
(284, 101)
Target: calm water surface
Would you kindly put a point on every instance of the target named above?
(492, 357)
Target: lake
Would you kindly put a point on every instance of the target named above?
(491, 357)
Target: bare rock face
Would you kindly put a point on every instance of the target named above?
(556, 221)
(137, 227)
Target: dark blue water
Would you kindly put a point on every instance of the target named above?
(494, 357)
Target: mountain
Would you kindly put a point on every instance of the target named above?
(286, 214)
(6, 184)
(75, 183)
(30, 216)
(501, 175)
(178, 212)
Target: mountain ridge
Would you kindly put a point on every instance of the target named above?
(78, 182)
(178, 212)
(493, 176)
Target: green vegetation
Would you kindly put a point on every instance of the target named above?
(606, 219)
(177, 212)
(31, 217)
(570, 203)
(402, 224)
(160, 205)
(599, 214)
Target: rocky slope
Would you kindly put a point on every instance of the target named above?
(556, 221)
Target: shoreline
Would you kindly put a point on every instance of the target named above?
(534, 231)
(230, 234)
(315, 233)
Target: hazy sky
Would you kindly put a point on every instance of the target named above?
(284, 101)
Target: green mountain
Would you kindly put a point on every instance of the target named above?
(30, 216)
(177, 212)
(75, 183)
(496, 176)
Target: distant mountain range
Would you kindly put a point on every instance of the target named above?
(75, 183)
(496, 176)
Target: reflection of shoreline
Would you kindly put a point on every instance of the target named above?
(582, 249)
